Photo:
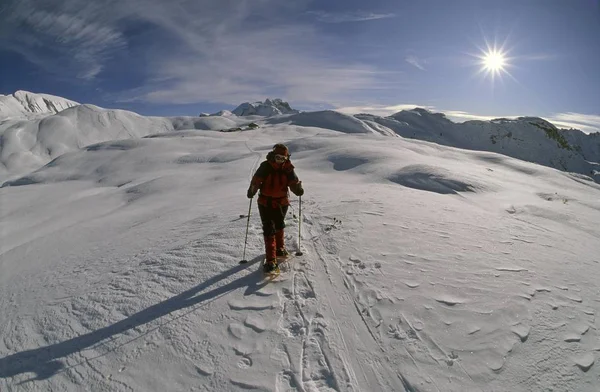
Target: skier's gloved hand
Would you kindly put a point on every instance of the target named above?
(299, 189)
(251, 192)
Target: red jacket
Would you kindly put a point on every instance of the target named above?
(273, 180)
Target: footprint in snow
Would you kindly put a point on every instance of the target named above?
(255, 323)
(584, 361)
(355, 259)
(204, 371)
(452, 357)
(495, 363)
(237, 330)
(575, 298)
(522, 331)
(511, 269)
(572, 338)
(577, 331)
(245, 363)
(256, 304)
(449, 300)
(474, 329)
(581, 328)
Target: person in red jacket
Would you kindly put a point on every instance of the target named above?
(273, 178)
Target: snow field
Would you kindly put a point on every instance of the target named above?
(425, 268)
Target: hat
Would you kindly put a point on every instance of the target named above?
(281, 149)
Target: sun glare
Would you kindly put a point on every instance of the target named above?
(494, 61)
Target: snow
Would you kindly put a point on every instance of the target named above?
(425, 267)
(29, 143)
(525, 138)
(24, 103)
(327, 119)
(267, 108)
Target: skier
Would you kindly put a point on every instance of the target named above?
(273, 178)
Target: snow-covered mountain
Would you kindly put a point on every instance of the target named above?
(26, 104)
(267, 108)
(326, 119)
(528, 138)
(31, 140)
(37, 128)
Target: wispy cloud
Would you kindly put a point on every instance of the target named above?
(538, 57)
(387, 110)
(380, 110)
(461, 116)
(358, 16)
(416, 62)
(59, 38)
(229, 68)
(221, 51)
(588, 123)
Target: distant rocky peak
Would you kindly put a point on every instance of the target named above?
(268, 108)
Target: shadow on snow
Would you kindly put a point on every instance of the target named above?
(43, 361)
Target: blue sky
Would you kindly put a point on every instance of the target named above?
(183, 57)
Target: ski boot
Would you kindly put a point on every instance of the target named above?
(282, 252)
(271, 266)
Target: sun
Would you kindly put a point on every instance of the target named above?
(493, 61)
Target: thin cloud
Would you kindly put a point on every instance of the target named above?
(58, 39)
(227, 69)
(587, 123)
(538, 57)
(380, 110)
(226, 59)
(416, 62)
(461, 116)
(328, 17)
(207, 50)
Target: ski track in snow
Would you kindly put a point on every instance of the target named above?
(329, 321)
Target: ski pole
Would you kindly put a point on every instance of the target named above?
(246, 239)
(299, 252)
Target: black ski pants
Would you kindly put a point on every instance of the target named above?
(272, 218)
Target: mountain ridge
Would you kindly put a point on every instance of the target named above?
(39, 127)
(25, 103)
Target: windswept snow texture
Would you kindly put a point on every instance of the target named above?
(425, 267)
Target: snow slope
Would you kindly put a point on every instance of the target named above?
(28, 143)
(425, 268)
(527, 138)
(27, 104)
(329, 119)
